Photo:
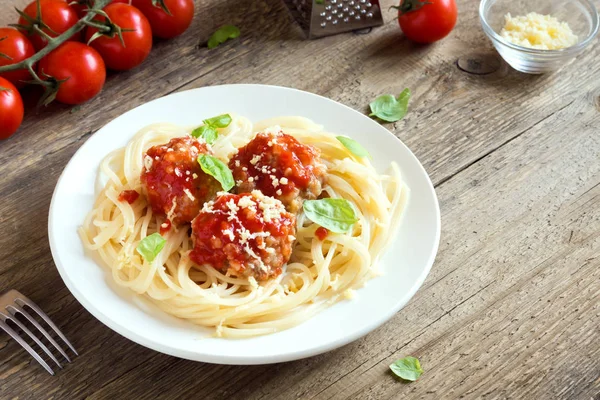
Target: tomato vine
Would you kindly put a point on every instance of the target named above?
(49, 84)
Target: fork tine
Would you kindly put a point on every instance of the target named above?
(36, 340)
(18, 308)
(42, 314)
(26, 346)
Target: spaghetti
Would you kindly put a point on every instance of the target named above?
(324, 268)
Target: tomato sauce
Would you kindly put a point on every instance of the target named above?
(281, 156)
(321, 233)
(219, 243)
(175, 182)
(165, 227)
(129, 196)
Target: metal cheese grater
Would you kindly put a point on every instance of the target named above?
(321, 18)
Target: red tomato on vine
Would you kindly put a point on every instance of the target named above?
(14, 48)
(82, 6)
(136, 37)
(167, 25)
(78, 70)
(427, 21)
(56, 17)
(11, 109)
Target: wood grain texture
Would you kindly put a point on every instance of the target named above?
(511, 307)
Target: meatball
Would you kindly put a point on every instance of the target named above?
(173, 181)
(279, 166)
(245, 235)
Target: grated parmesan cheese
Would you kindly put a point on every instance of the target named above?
(271, 207)
(229, 233)
(172, 210)
(148, 162)
(233, 208)
(273, 130)
(536, 31)
(255, 159)
(246, 202)
(189, 194)
(274, 181)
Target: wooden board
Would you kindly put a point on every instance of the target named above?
(511, 307)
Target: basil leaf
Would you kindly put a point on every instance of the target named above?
(223, 34)
(220, 121)
(206, 132)
(218, 170)
(404, 97)
(407, 368)
(354, 147)
(150, 246)
(337, 215)
(389, 108)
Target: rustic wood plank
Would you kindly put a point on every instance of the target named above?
(488, 141)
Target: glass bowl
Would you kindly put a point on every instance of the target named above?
(581, 15)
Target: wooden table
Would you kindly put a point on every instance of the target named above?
(511, 308)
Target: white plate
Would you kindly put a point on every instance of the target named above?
(405, 265)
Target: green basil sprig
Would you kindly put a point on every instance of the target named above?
(150, 246)
(218, 170)
(222, 35)
(390, 108)
(337, 215)
(407, 368)
(354, 147)
(220, 121)
(208, 131)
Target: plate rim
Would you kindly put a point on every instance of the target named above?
(241, 359)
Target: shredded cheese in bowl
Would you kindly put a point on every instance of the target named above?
(536, 31)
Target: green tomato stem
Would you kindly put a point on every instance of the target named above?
(100, 27)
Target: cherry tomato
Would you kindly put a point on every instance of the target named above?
(81, 66)
(82, 6)
(138, 41)
(11, 109)
(15, 45)
(164, 25)
(56, 14)
(427, 21)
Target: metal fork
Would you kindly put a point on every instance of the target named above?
(11, 304)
